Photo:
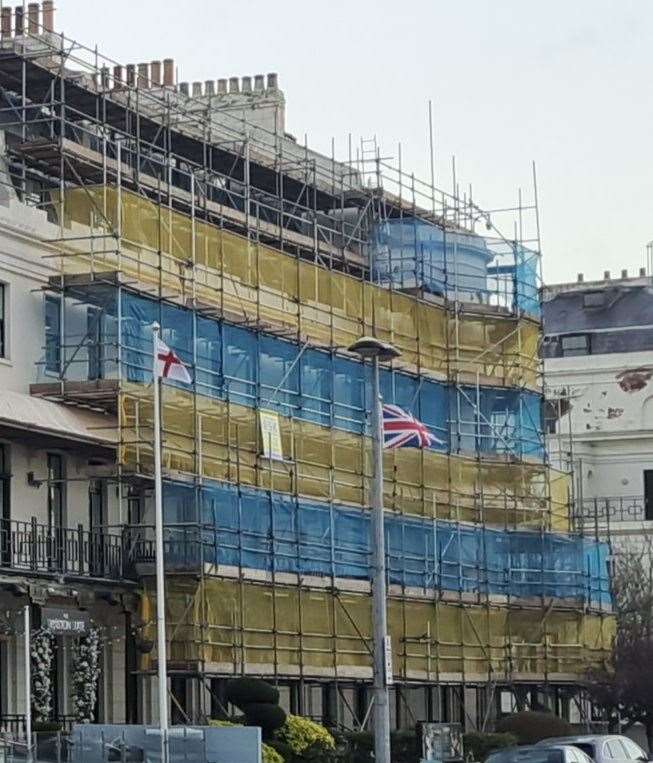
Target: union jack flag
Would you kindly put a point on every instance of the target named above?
(401, 429)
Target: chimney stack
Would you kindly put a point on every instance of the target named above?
(183, 88)
(606, 275)
(131, 75)
(247, 84)
(117, 76)
(33, 18)
(581, 278)
(222, 86)
(168, 72)
(259, 82)
(104, 77)
(624, 274)
(234, 85)
(642, 272)
(197, 89)
(155, 73)
(143, 75)
(209, 87)
(19, 28)
(5, 22)
(48, 15)
(273, 81)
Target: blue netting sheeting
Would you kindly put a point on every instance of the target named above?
(413, 253)
(248, 528)
(258, 370)
(527, 282)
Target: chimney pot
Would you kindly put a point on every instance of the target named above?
(33, 18)
(624, 274)
(259, 82)
(131, 75)
(184, 88)
(642, 272)
(606, 275)
(117, 76)
(234, 85)
(168, 72)
(48, 15)
(104, 77)
(19, 27)
(155, 73)
(5, 22)
(581, 278)
(247, 84)
(143, 75)
(222, 86)
(197, 89)
(273, 81)
(209, 87)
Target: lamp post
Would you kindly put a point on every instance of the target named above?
(370, 348)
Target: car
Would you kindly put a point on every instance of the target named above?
(530, 753)
(602, 748)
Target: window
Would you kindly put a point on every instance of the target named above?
(5, 505)
(55, 491)
(648, 493)
(594, 299)
(575, 344)
(612, 749)
(3, 320)
(52, 334)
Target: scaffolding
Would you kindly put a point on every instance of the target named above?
(263, 261)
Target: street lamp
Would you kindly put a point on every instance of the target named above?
(370, 348)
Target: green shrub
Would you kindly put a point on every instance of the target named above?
(247, 691)
(531, 727)
(302, 735)
(268, 717)
(480, 745)
(270, 755)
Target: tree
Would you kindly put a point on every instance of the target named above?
(624, 689)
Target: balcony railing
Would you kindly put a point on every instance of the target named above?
(44, 549)
(608, 509)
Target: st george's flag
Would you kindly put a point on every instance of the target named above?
(168, 365)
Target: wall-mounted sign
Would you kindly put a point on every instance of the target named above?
(387, 654)
(65, 622)
(271, 435)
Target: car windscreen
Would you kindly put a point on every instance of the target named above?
(586, 747)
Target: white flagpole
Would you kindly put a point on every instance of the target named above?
(160, 576)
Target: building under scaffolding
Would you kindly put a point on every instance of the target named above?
(263, 261)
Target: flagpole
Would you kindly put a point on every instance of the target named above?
(162, 661)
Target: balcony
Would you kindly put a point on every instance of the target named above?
(37, 549)
(607, 510)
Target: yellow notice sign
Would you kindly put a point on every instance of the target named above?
(271, 434)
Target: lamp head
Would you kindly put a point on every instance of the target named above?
(369, 347)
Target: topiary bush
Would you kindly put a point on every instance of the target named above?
(268, 717)
(530, 727)
(304, 737)
(247, 691)
(480, 745)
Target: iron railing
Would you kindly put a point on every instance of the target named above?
(629, 508)
(45, 549)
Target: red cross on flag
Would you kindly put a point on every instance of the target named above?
(168, 365)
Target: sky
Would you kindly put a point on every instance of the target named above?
(564, 83)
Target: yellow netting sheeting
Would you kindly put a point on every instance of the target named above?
(222, 441)
(247, 280)
(228, 625)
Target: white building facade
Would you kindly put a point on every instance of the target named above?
(598, 351)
